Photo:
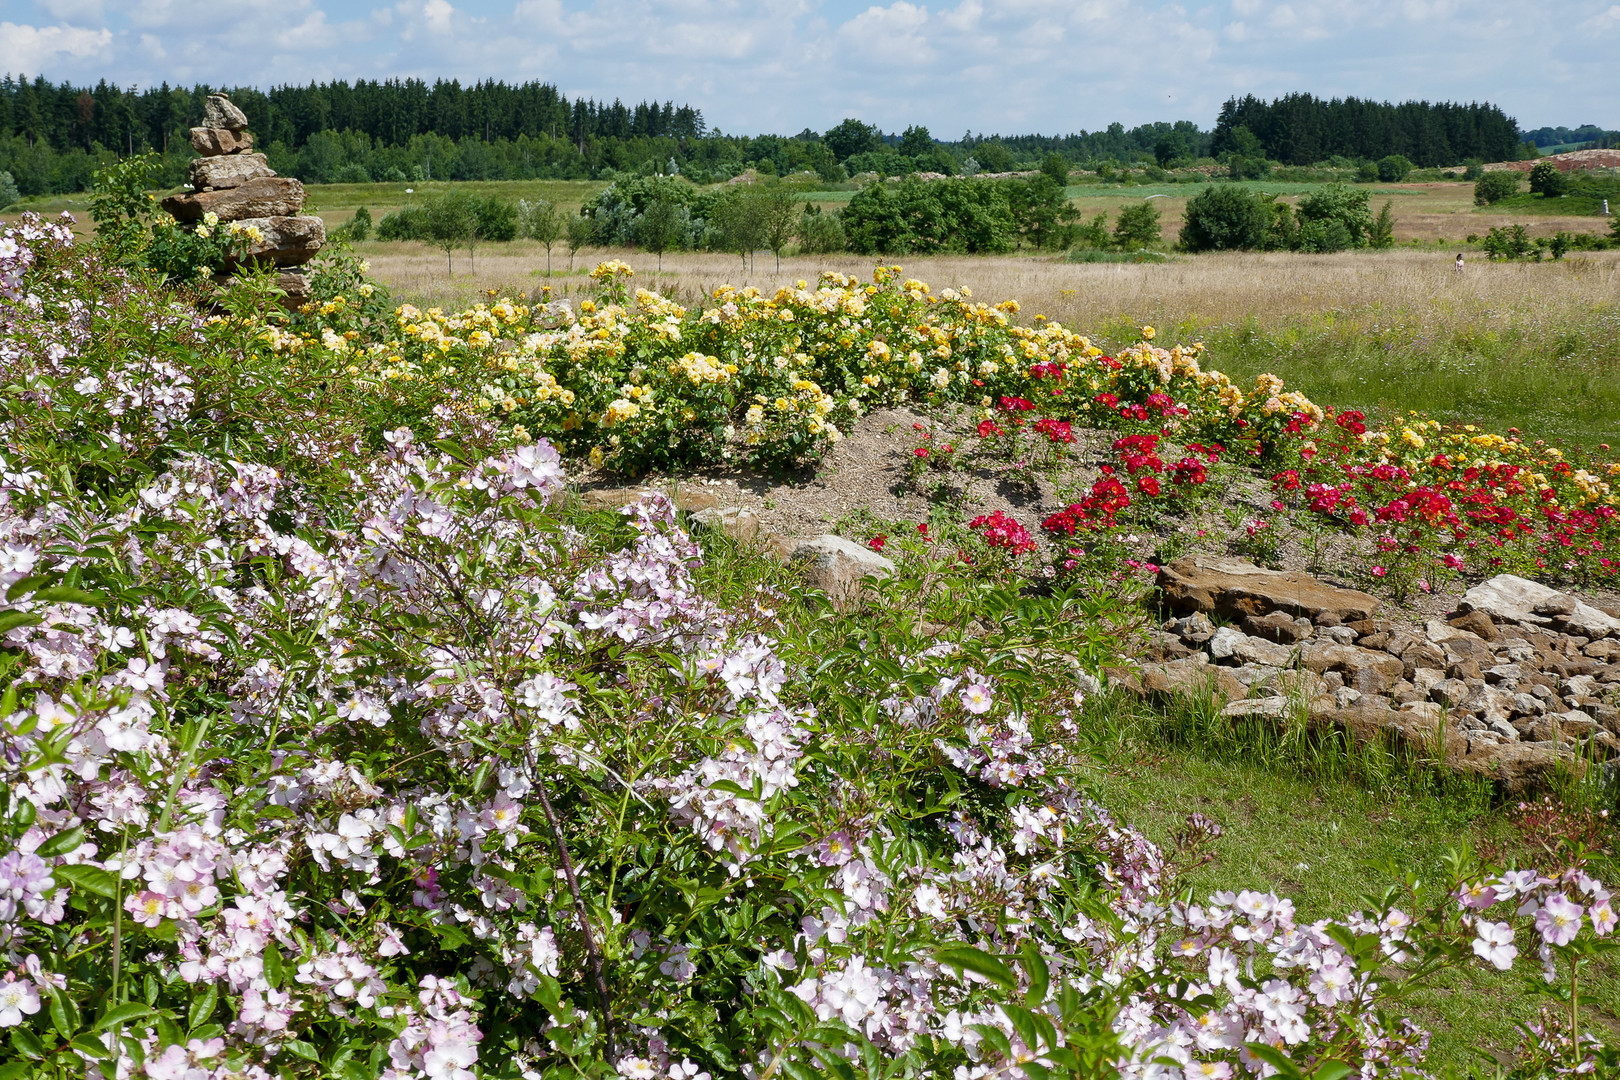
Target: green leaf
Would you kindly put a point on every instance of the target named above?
(123, 1014)
(1331, 1070)
(91, 1048)
(24, 586)
(67, 594)
(10, 620)
(272, 965)
(979, 962)
(26, 1043)
(61, 843)
(203, 1006)
(1276, 1059)
(303, 1049)
(64, 1014)
(88, 878)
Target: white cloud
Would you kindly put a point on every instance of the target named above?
(36, 50)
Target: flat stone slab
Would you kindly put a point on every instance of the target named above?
(1510, 598)
(231, 170)
(1234, 588)
(261, 197)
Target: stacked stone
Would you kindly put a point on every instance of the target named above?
(236, 185)
(1520, 681)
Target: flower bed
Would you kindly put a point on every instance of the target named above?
(337, 748)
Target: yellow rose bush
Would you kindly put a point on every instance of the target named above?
(634, 381)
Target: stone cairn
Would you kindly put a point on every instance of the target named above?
(234, 184)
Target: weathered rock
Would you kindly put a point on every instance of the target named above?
(1163, 645)
(212, 142)
(1339, 635)
(1426, 679)
(283, 241)
(1273, 707)
(1232, 644)
(1235, 588)
(1602, 651)
(220, 112)
(1510, 598)
(1195, 628)
(733, 521)
(232, 170)
(1279, 627)
(839, 567)
(1478, 623)
(261, 197)
(1190, 677)
(1369, 671)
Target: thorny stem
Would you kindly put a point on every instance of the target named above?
(592, 950)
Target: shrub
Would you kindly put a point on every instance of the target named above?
(1382, 233)
(1137, 226)
(406, 223)
(1494, 186)
(1510, 242)
(1393, 169)
(495, 218)
(360, 224)
(1340, 204)
(820, 232)
(1547, 181)
(1473, 169)
(1324, 235)
(1225, 217)
(1057, 167)
(8, 190)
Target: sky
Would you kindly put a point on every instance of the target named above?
(753, 66)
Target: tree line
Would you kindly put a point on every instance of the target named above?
(1299, 129)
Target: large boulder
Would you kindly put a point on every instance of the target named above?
(212, 142)
(839, 567)
(1510, 598)
(232, 170)
(283, 241)
(261, 197)
(1235, 588)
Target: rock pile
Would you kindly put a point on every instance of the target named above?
(236, 185)
(1519, 678)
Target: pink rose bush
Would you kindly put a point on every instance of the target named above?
(341, 747)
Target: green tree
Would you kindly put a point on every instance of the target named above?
(8, 190)
(1224, 217)
(448, 222)
(820, 233)
(1547, 181)
(1172, 146)
(1336, 203)
(993, 156)
(1282, 228)
(542, 221)
(779, 219)
(1494, 186)
(1137, 226)
(852, 137)
(1393, 169)
(1041, 214)
(1382, 233)
(580, 233)
(1324, 235)
(1246, 160)
(1473, 169)
(659, 227)
(916, 142)
(360, 224)
(1057, 167)
(738, 224)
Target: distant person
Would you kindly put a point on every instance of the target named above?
(1459, 262)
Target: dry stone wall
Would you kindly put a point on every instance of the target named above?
(1520, 680)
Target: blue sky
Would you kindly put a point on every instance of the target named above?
(783, 65)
